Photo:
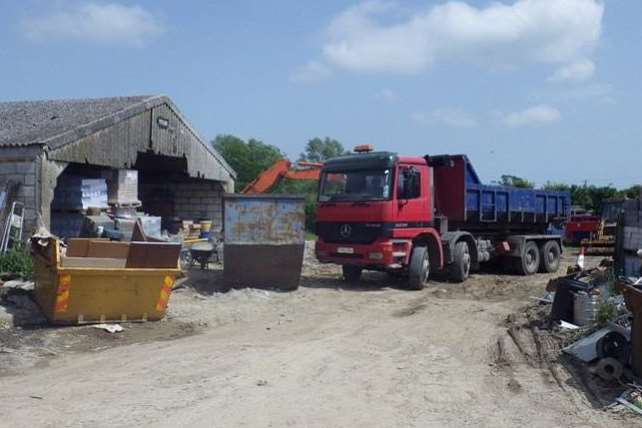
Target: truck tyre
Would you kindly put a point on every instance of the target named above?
(550, 257)
(419, 269)
(460, 267)
(528, 264)
(351, 273)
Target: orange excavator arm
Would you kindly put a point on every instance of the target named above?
(283, 169)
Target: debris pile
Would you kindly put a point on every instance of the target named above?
(15, 299)
(598, 317)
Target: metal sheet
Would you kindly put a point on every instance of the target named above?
(585, 349)
(263, 266)
(260, 219)
(264, 240)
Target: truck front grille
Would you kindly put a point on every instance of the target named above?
(349, 233)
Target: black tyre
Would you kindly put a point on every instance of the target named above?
(419, 269)
(529, 263)
(351, 273)
(460, 267)
(613, 345)
(549, 255)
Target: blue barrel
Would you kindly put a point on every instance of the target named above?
(264, 238)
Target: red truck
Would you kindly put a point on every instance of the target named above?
(420, 215)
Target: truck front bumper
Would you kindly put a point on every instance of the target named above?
(381, 254)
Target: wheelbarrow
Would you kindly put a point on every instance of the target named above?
(200, 252)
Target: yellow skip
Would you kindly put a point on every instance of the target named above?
(165, 291)
(62, 293)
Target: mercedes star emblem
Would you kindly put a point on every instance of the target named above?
(345, 230)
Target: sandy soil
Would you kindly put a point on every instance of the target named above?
(325, 355)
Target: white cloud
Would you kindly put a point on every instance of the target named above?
(313, 71)
(452, 117)
(533, 116)
(380, 37)
(579, 71)
(97, 22)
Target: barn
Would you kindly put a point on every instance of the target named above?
(179, 174)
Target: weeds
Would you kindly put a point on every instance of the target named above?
(17, 261)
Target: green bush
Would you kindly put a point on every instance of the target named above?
(310, 212)
(606, 312)
(17, 261)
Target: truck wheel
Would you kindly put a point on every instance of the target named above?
(419, 269)
(351, 273)
(550, 257)
(460, 267)
(529, 263)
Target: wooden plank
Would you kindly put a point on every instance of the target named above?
(153, 255)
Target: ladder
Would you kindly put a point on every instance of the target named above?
(12, 233)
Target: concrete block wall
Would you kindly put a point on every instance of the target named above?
(24, 173)
(189, 199)
(632, 227)
(630, 238)
(199, 199)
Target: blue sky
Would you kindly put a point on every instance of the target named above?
(543, 89)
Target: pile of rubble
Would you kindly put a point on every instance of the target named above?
(16, 304)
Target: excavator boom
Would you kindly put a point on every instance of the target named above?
(282, 169)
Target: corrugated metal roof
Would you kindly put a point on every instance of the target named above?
(56, 123)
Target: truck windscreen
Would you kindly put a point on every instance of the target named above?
(357, 185)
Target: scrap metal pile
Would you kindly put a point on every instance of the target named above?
(602, 316)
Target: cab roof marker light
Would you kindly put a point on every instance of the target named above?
(363, 148)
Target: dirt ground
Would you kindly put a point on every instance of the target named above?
(326, 355)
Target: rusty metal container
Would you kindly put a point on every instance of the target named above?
(585, 308)
(264, 238)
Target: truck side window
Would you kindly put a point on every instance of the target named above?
(408, 184)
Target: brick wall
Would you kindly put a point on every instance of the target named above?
(189, 199)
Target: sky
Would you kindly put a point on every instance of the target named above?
(548, 90)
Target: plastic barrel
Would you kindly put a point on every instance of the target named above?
(206, 226)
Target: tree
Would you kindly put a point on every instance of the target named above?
(633, 192)
(513, 181)
(319, 150)
(248, 159)
(591, 197)
(552, 186)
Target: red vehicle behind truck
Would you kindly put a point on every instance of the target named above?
(421, 215)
